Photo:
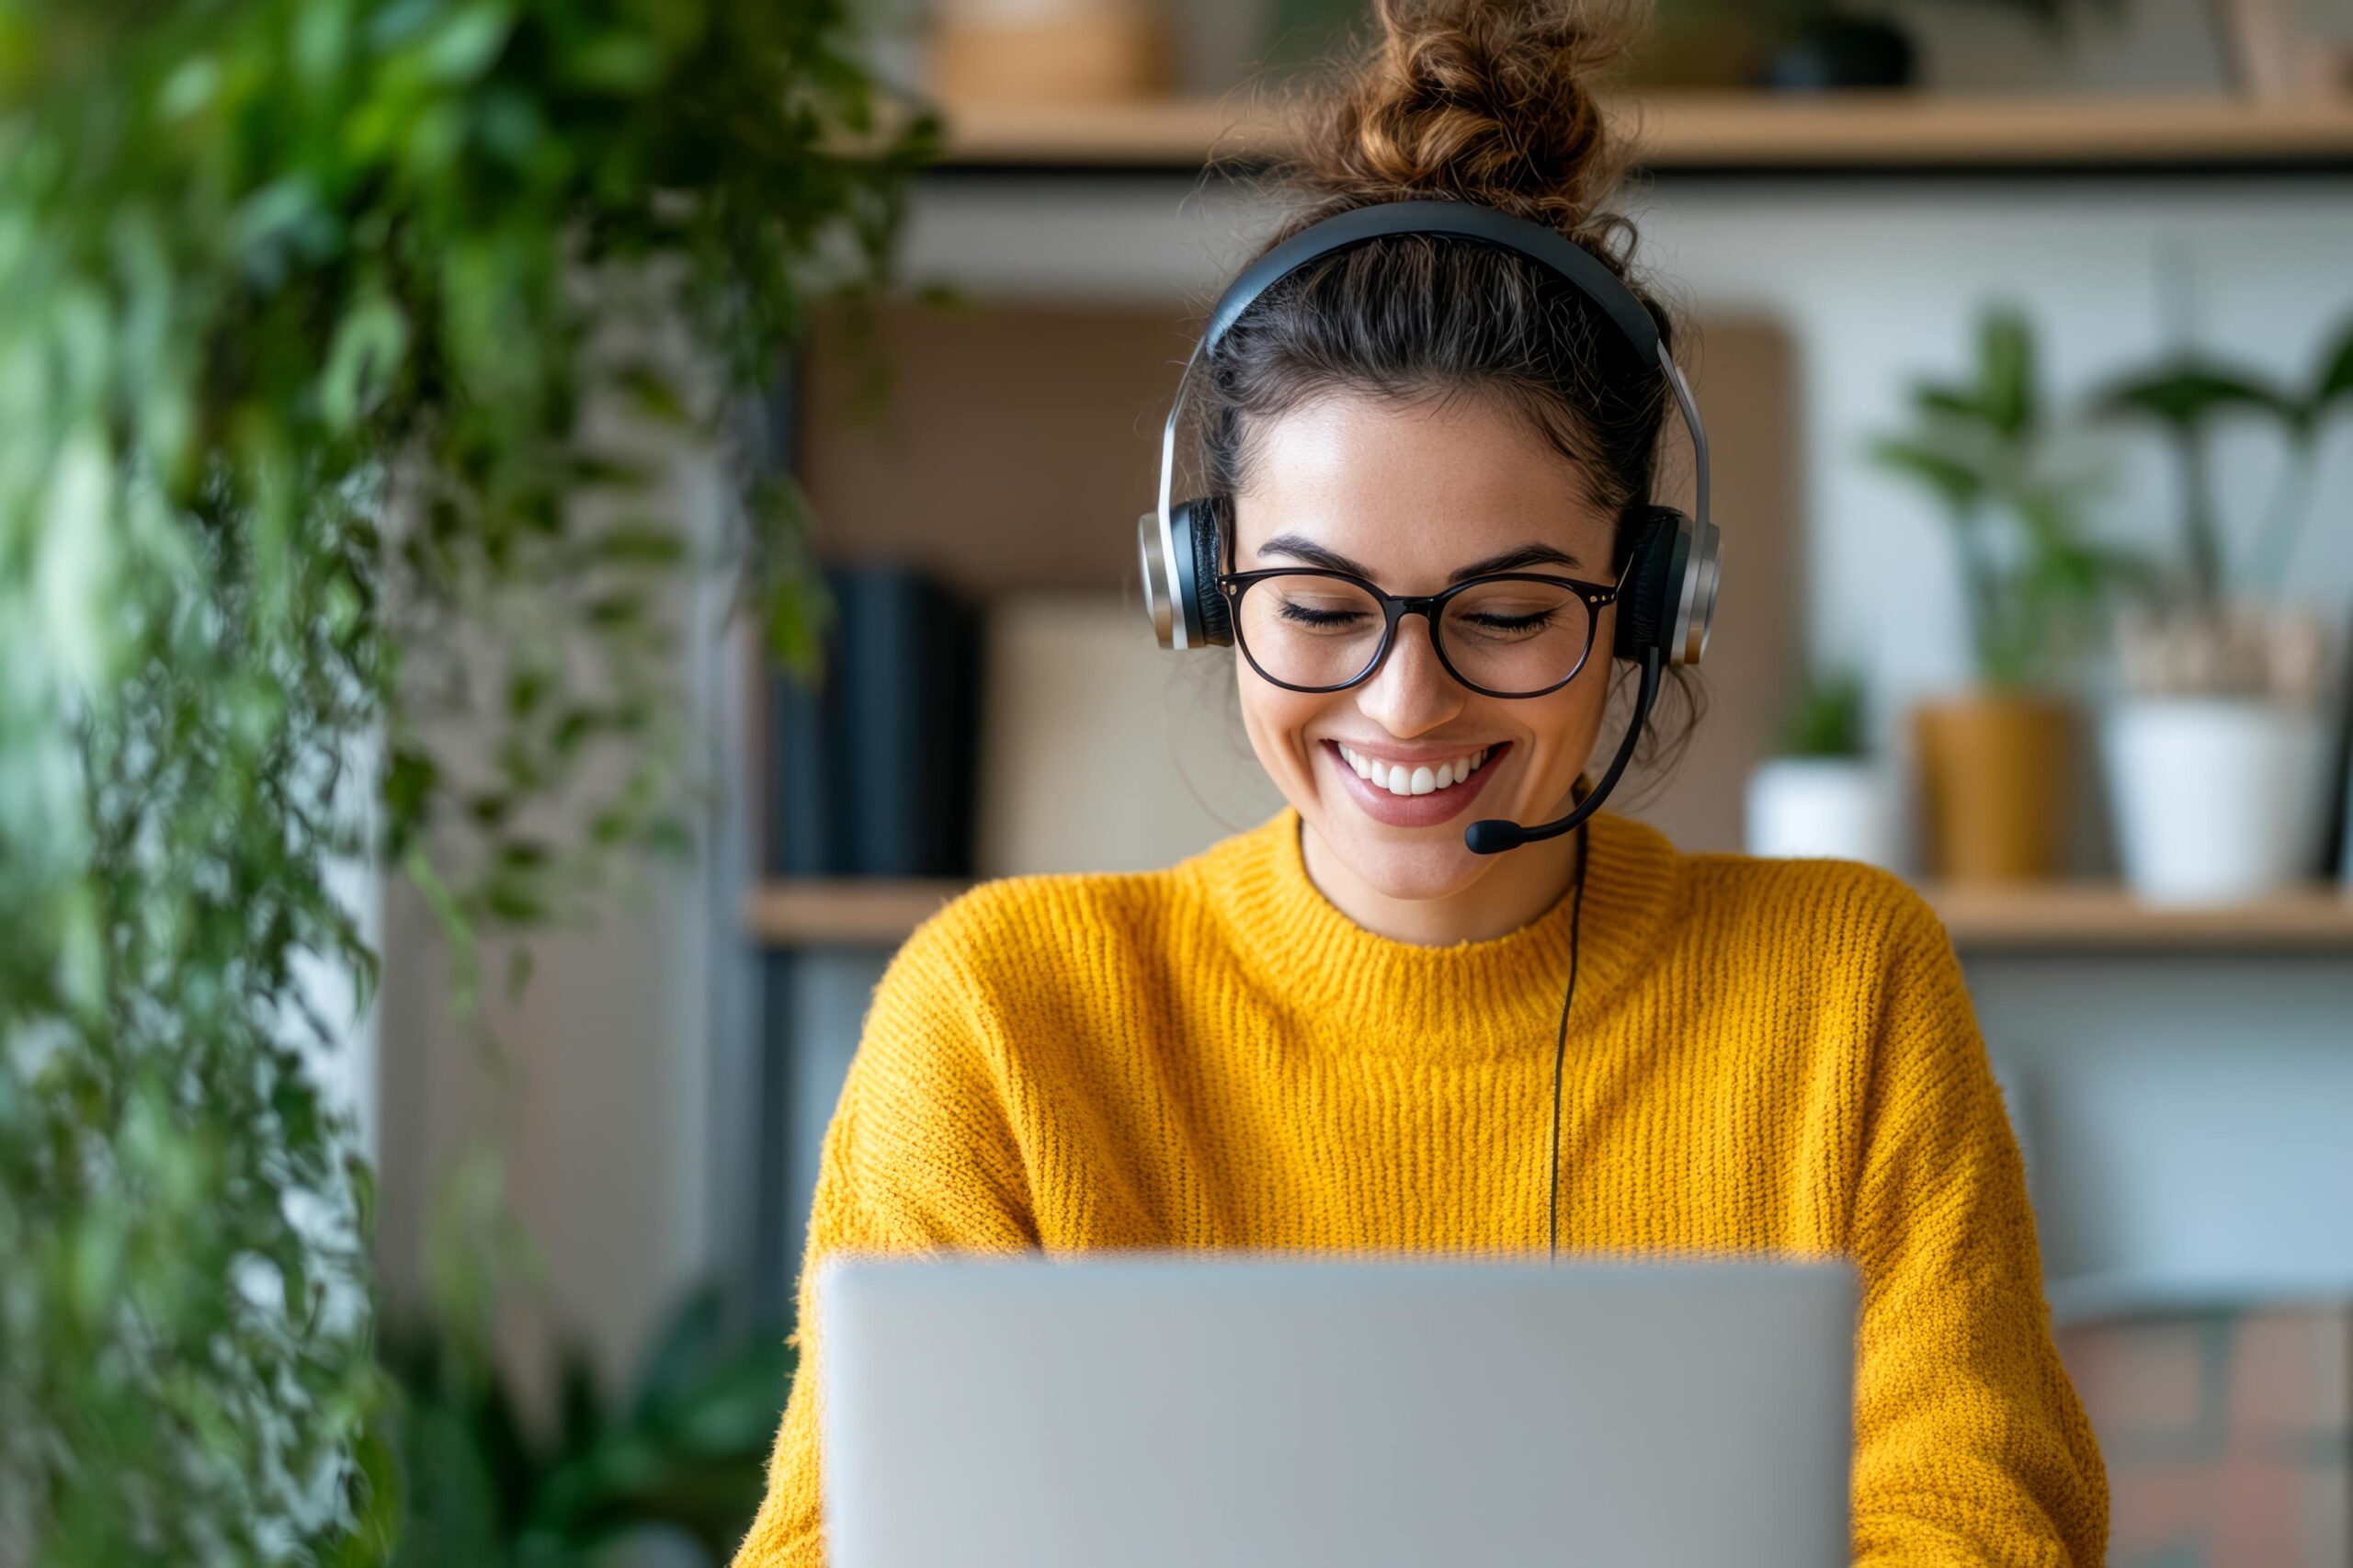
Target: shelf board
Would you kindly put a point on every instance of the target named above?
(847, 911)
(1893, 130)
(2102, 916)
(2066, 917)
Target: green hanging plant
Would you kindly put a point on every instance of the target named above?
(305, 307)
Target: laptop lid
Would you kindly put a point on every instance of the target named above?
(1153, 1410)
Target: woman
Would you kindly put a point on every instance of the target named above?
(1342, 1029)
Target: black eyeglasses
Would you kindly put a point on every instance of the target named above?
(1511, 634)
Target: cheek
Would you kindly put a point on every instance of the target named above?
(1567, 723)
(1277, 719)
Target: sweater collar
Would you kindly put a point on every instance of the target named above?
(1479, 996)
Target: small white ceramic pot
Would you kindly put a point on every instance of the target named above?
(1841, 808)
(2215, 798)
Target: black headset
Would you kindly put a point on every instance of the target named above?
(1669, 599)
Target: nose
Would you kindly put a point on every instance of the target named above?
(1411, 692)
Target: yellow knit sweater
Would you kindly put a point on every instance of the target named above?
(1762, 1055)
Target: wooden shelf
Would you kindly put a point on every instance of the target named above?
(2097, 917)
(1857, 130)
(851, 911)
(2052, 918)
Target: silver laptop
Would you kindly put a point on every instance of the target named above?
(1141, 1410)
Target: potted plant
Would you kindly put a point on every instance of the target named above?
(677, 1463)
(320, 318)
(1823, 794)
(1998, 761)
(2214, 741)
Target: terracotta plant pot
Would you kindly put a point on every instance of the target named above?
(1996, 774)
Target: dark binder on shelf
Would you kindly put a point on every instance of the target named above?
(810, 829)
(876, 769)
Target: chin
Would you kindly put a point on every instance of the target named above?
(1401, 863)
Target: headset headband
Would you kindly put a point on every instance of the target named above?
(1464, 219)
(1468, 221)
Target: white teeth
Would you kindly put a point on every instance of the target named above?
(1400, 779)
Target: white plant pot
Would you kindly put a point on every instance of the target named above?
(1802, 807)
(2216, 799)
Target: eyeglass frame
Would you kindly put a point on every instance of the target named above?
(1394, 607)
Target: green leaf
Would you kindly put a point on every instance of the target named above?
(379, 1497)
(1826, 718)
(2007, 394)
(688, 1341)
(527, 688)
(2336, 382)
(463, 47)
(411, 780)
(362, 361)
(581, 1412)
(652, 393)
(2191, 392)
(618, 62)
(514, 900)
(1952, 402)
(649, 545)
(1953, 481)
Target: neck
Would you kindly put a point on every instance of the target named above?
(1516, 888)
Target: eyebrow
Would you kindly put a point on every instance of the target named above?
(1307, 549)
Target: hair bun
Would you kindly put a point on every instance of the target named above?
(1481, 100)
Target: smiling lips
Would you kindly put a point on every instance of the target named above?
(1399, 779)
(1420, 794)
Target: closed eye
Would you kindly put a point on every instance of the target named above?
(1488, 621)
(1324, 619)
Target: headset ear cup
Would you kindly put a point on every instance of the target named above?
(1199, 528)
(1670, 599)
(1641, 605)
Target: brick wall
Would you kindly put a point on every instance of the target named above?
(2228, 1432)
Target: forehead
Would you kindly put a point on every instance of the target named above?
(1412, 490)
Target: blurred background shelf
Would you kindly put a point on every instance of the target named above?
(2075, 918)
(850, 911)
(1855, 130)
(2098, 915)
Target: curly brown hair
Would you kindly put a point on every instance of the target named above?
(1487, 101)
